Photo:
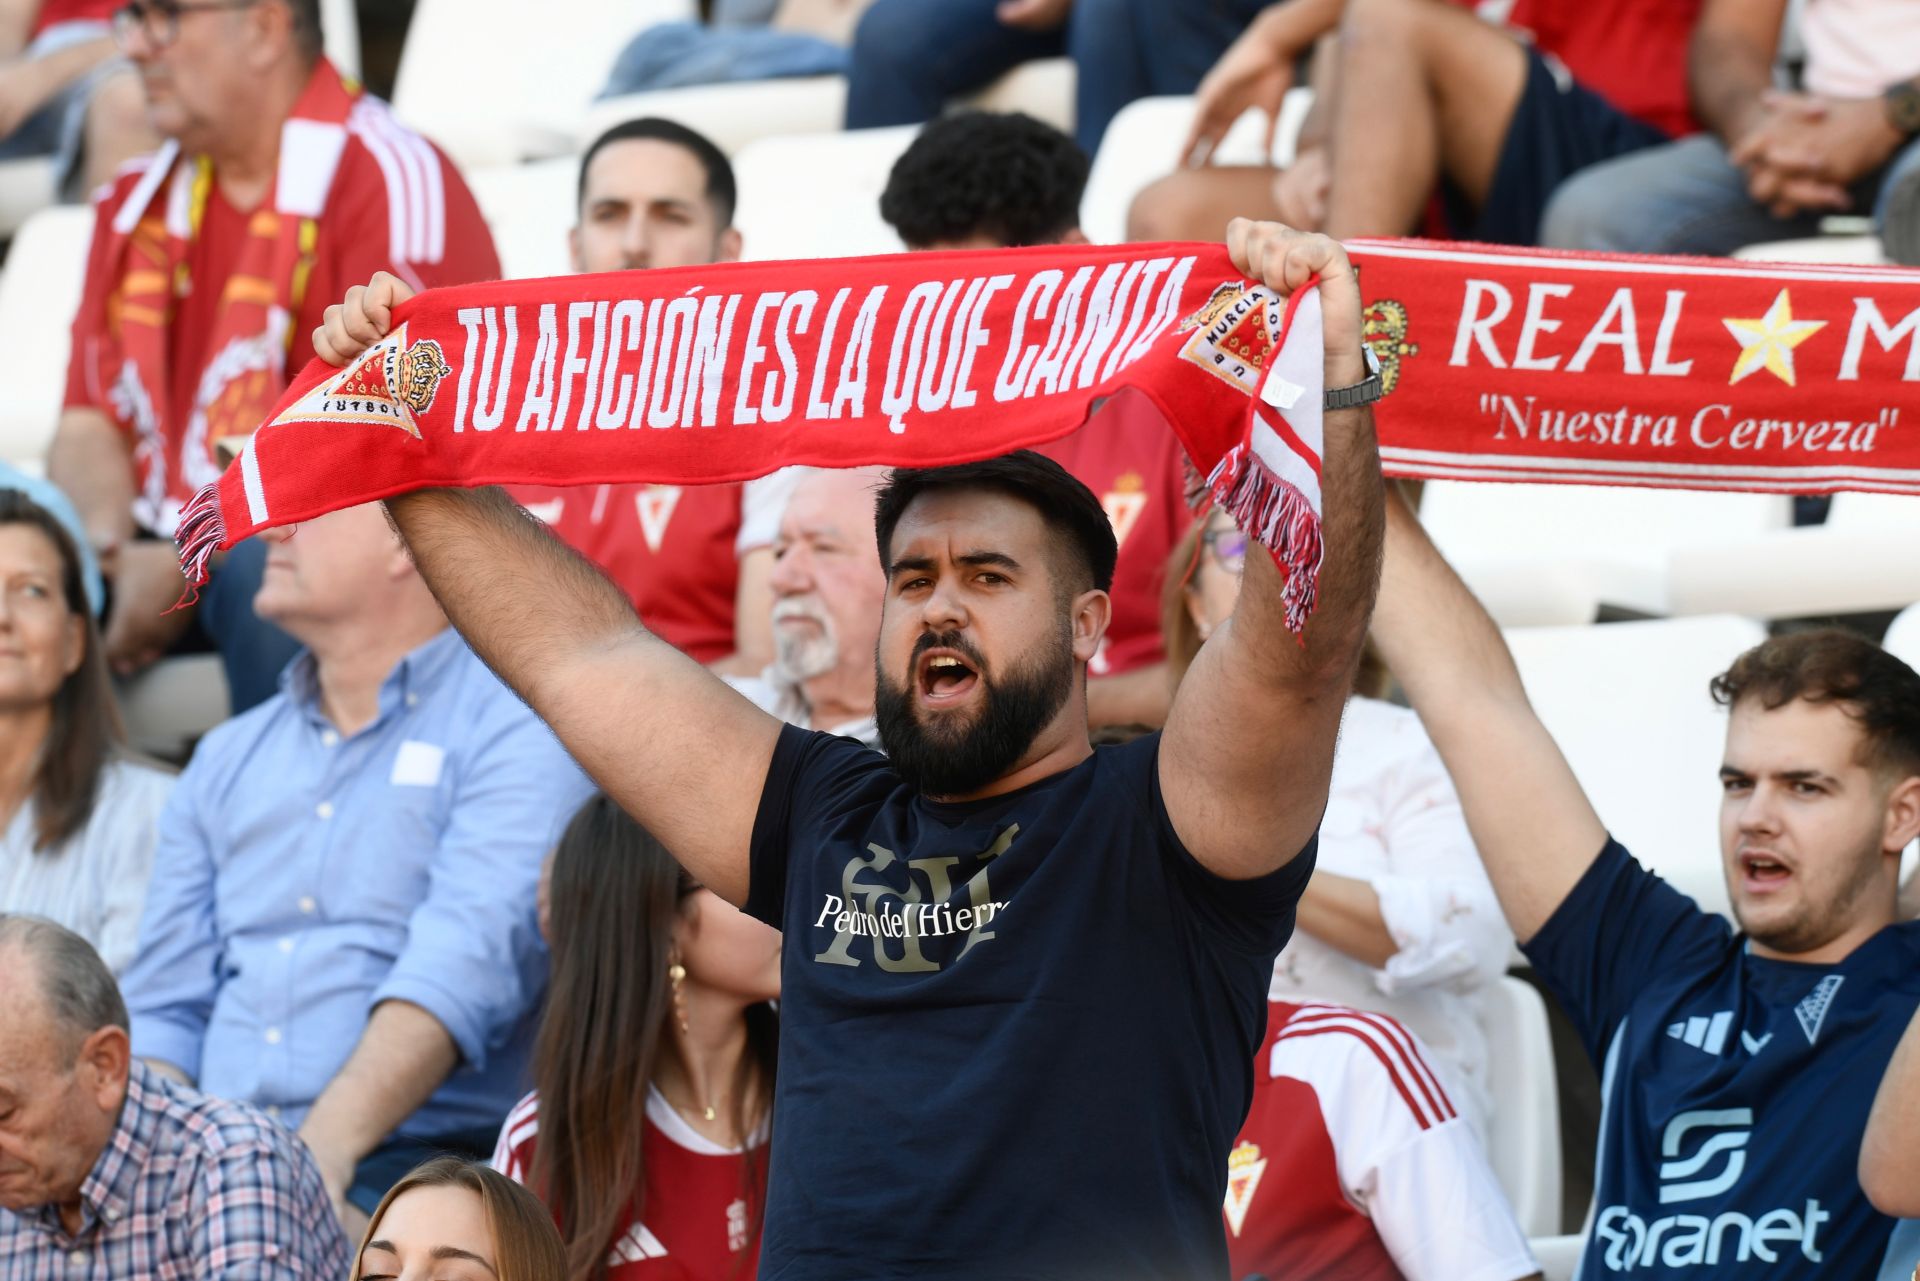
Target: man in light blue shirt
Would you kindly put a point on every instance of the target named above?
(341, 927)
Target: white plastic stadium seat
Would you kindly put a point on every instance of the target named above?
(1558, 1257)
(842, 176)
(1861, 560)
(1628, 705)
(492, 87)
(1903, 637)
(1143, 144)
(1863, 251)
(26, 187)
(39, 292)
(1042, 88)
(529, 209)
(171, 704)
(340, 27)
(1611, 542)
(1524, 1139)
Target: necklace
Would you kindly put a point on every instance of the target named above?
(706, 1111)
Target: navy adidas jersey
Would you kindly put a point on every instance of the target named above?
(1735, 1088)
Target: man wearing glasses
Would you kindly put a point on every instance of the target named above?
(280, 182)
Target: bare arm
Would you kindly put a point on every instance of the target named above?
(16, 22)
(1248, 751)
(91, 461)
(403, 1056)
(1344, 913)
(1890, 1153)
(1730, 63)
(1256, 71)
(643, 719)
(1535, 829)
(1138, 697)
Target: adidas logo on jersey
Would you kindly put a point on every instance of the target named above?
(639, 1243)
(1703, 1032)
(1704, 1153)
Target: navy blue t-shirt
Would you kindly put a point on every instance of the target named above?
(1016, 1035)
(1735, 1089)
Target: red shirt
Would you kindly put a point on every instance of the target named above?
(674, 550)
(1132, 461)
(425, 227)
(1353, 1165)
(1633, 53)
(698, 1221)
(54, 12)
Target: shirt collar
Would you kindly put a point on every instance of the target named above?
(411, 679)
(108, 1191)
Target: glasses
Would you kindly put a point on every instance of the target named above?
(1228, 548)
(157, 22)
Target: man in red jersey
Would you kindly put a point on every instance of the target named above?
(696, 560)
(280, 184)
(979, 180)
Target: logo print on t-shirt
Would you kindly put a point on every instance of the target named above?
(1692, 1177)
(639, 1243)
(1812, 1012)
(1702, 1032)
(1124, 503)
(1245, 1165)
(860, 912)
(736, 1225)
(654, 505)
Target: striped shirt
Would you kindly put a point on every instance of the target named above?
(187, 1186)
(95, 883)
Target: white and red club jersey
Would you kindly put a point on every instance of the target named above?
(1354, 1166)
(698, 1223)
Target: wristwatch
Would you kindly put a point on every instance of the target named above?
(1902, 102)
(1364, 392)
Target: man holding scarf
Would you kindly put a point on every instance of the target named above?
(1023, 980)
(281, 181)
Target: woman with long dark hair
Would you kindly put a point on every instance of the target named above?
(647, 1128)
(77, 817)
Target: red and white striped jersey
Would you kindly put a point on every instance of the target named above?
(698, 1222)
(1354, 1166)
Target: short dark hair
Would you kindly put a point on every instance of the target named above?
(1071, 511)
(306, 27)
(86, 732)
(1005, 176)
(1828, 665)
(721, 190)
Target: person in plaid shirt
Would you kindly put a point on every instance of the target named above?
(108, 1170)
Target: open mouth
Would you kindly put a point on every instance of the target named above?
(944, 677)
(1764, 872)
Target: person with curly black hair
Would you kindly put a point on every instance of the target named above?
(979, 180)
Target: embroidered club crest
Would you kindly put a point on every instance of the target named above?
(1383, 327)
(390, 385)
(1124, 503)
(1234, 333)
(1245, 1165)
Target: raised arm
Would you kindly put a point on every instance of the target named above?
(1890, 1154)
(1248, 751)
(1535, 829)
(679, 750)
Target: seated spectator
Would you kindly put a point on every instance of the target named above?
(45, 494)
(827, 594)
(1736, 1068)
(910, 57)
(76, 815)
(1432, 99)
(460, 1221)
(647, 1127)
(341, 923)
(1773, 163)
(1369, 1172)
(1890, 1155)
(1399, 917)
(64, 94)
(201, 296)
(978, 180)
(108, 1169)
(746, 40)
(695, 559)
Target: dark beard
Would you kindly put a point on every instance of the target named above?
(955, 758)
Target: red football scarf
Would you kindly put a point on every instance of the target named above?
(1499, 365)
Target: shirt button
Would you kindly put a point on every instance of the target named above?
(286, 944)
(273, 1109)
(111, 1216)
(413, 700)
(78, 1256)
(324, 809)
(307, 904)
(273, 1036)
(328, 738)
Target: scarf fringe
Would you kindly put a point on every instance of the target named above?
(1269, 509)
(199, 533)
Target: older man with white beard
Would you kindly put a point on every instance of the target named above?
(827, 594)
